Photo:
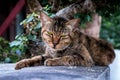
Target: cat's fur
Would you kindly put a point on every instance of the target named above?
(92, 28)
(67, 45)
(86, 6)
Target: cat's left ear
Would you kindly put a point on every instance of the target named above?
(45, 19)
(72, 24)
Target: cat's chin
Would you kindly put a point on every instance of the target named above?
(60, 49)
(54, 49)
(57, 49)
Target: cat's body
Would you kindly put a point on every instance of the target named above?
(67, 45)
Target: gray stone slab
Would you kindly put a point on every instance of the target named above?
(7, 72)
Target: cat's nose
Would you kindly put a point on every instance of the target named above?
(54, 44)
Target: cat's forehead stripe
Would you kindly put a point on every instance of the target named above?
(59, 25)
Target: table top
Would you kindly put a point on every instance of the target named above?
(53, 73)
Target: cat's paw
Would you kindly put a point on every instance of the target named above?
(21, 64)
(90, 63)
(52, 62)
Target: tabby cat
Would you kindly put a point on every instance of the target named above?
(66, 45)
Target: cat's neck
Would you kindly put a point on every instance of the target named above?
(78, 38)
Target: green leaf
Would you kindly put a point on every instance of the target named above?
(32, 37)
(7, 60)
(88, 18)
(30, 18)
(38, 26)
(23, 22)
(15, 43)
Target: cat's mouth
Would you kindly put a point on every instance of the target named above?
(55, 49)
(59, 49)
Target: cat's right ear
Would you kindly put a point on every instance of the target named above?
(45, 19)
(72, 24)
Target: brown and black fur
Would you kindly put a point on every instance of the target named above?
(66, 45)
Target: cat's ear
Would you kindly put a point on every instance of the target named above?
(72, 24)
(45, 19)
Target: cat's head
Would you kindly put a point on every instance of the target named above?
(56, 31)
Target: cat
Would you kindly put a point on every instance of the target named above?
(92, 28)
(66, 45)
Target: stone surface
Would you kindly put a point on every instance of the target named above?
(115, 67)
(7, 72)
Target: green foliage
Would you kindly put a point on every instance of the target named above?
(4, 46)
(19, 45)
(83, 18)
(15, 50)
(110, 29)
(32, 30)
(6, 56)
(32, 25)
(4, 49)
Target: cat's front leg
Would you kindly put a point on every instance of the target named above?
(53, 62)
(34, 61)
(85, 54)
(65, 61)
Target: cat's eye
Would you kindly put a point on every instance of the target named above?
(63, 36)
(50, 33)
